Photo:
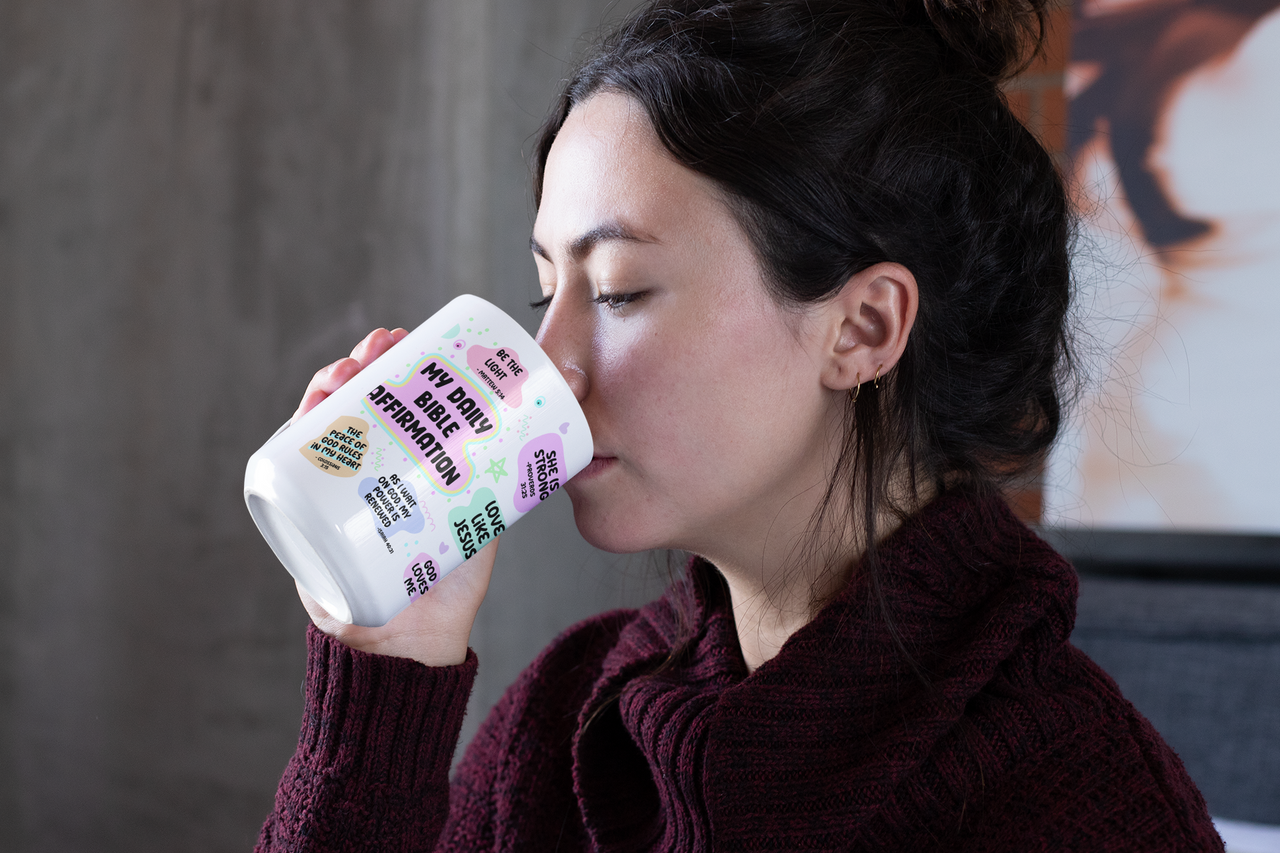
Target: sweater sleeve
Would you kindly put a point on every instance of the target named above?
(371, 771)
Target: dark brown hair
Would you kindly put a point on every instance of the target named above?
(851, 133)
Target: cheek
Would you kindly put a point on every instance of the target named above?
(642, 378)
(692, 390)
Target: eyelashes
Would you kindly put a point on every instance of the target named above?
(612, 301)
(616, 301)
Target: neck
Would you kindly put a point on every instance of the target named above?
(776, 583)
(767, 617)
(780, 591)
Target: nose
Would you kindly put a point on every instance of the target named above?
(564, 338)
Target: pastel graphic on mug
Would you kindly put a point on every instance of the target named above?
(340, 449)
(501, 370)
(434, 416)
(420, 576)
(540, 469)
(474, 525)
(394, 504)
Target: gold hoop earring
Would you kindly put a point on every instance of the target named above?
(875, 383)
(853, 395)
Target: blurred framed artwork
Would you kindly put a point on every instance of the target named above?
(1174, 162)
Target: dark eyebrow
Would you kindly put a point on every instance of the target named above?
(583, 245)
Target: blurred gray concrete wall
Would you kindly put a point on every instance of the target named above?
(200, 204)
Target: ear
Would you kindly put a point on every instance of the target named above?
(866, 325)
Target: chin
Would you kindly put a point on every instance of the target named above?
(608, 529)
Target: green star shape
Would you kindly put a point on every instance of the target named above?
(498, 468)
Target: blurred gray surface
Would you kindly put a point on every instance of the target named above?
(1202, 662)
(200, 204)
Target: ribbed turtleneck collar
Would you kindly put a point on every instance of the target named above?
(829, 729)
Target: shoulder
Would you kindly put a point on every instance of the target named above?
(1044, 753)
(1098, 777)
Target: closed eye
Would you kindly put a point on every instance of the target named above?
(616, 301)
(539, 304)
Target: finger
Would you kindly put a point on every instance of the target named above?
(374, 344)
(310, 398)
(486, 556)
(321, 617)
(332, 377)
(477, 570)
(325, 381)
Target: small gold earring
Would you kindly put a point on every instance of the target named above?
(857, 377)
(875, 383)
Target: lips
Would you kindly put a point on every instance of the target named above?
(597, 466)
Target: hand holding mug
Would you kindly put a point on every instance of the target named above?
(404, 463)
(435, 629)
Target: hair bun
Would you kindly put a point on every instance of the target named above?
(999, 38)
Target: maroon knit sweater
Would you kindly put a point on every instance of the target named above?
(1018, 742)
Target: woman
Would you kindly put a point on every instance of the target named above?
(807, 276)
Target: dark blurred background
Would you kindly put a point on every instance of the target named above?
(202, 202)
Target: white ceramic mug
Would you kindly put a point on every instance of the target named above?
(412, 466)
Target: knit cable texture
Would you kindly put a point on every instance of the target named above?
(991, 733)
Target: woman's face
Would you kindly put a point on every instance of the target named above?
(712, 426)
